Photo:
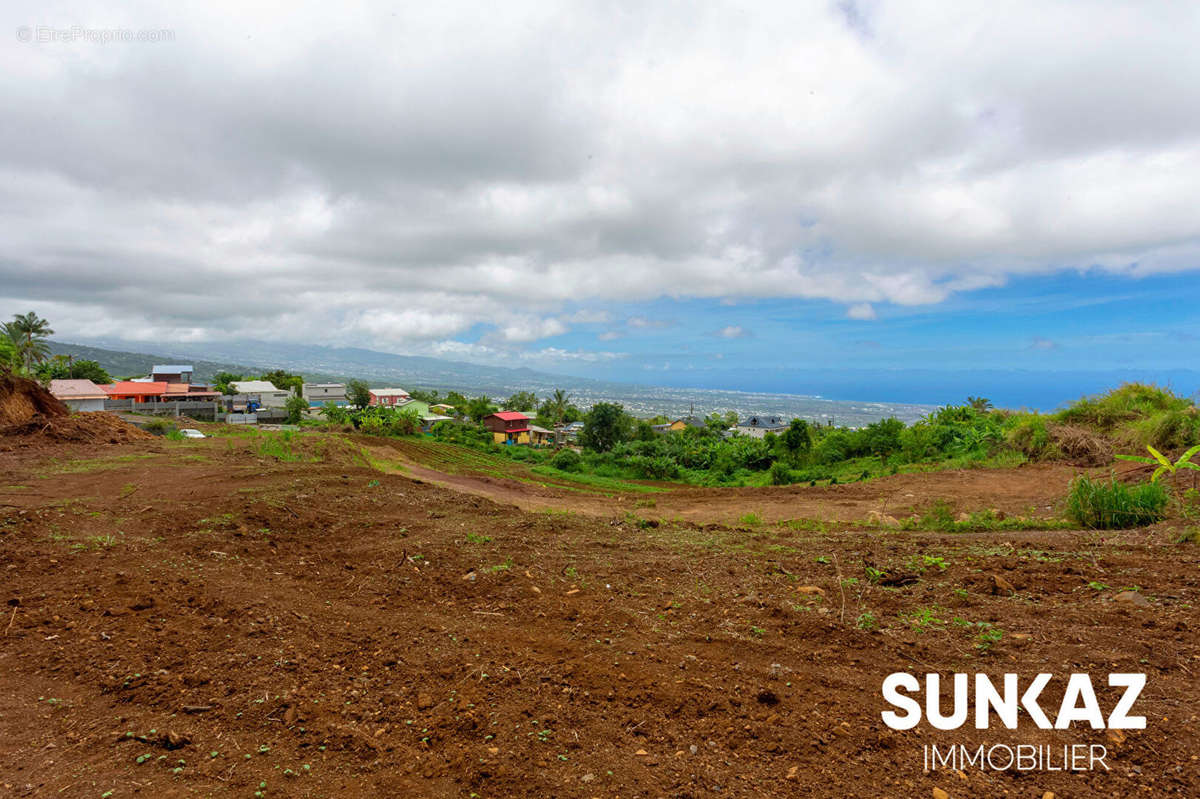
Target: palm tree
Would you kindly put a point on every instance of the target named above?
(28, 334)
(559, 401)
(980, 404)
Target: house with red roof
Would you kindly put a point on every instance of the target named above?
(508, 427)
(136, 390)
(156, 391)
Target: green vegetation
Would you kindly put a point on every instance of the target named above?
(281, 447)
(1165, 465)
(63, 367)
(27, 336)
(1138, 415)
(1098, 505)
(375, 420)
(359, 393)
(295, 407)
(941, 517)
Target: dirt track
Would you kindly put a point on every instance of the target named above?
(1033, 490)
(401, 639)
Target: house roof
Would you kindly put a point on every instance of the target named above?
(76, 389)
(171, 368)
(389, 392)
(324, 385)
(188, 389)
(436, 417)
(537, 429)
(510, 416)
(153, 389)
(763, 421)
(252, 386)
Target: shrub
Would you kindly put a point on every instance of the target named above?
(159, 427)
(567, 460)
(659, 468)
(296, 407)
(780, 475)
(1113, 505)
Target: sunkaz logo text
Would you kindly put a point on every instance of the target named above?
(981, 701)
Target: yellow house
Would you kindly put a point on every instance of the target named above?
(508, 427)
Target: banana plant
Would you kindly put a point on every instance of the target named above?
(1164, 464)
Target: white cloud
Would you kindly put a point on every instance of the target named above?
(588, 317)
(733, 331)
(531, 329)
(644, 323)
(862, 310)
(386, 174)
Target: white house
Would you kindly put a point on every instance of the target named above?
(268, 395)
(319, 394)
(79, 395)
(759, 426)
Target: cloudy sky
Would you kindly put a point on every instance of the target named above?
(627, 187)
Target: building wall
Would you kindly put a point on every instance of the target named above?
(84, 404)
(171, 377)
(759, 432)
(275, 399)
(516, 438)
(387, 401)
(323, 394)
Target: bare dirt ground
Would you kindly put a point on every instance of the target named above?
(193, 619)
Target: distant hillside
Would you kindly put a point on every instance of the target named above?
(340, 363)
(412, 371)
(138, 364)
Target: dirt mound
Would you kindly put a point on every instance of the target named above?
(28, 410)
(22, 400)
(88, 428)
(1081, 446)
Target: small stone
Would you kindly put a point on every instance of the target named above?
(1133, 598)
(693, 749)
(1116, 736)
(938, 793)
(424, 701)
(791, 775)
(882, 519)
(1020, 639)
(493, 750)
(587, 777)
(811, 589)
(1048, 795)
(641, 753)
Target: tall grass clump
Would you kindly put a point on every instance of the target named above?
(1138, 414)
(1113, 505)
(281, 447)
(1028, 434)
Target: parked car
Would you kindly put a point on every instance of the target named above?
(189, 432)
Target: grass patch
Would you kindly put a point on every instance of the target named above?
(83, 465)
(1113, 505)
(282, 447)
